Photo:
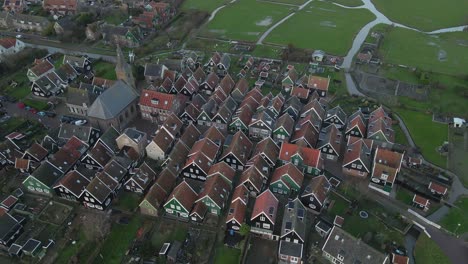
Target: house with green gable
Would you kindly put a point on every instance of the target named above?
(283, 128)
(308, 160)
(42, 179)
(181, 200)
(286, 179)
(215, 194)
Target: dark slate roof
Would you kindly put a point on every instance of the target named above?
(31, 245)
(112, 101)
(47, 174)
(153, 69)
(353, 250)
(69, 130)
(87, 94)
(294, 219)
(7, 223)
(109, 137)
(290, 249)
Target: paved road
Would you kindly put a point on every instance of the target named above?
(13, 111)
(351, 85)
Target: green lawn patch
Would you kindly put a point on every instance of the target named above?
(39, 105)
(203, 5)
(400, 137)
(168, 232)
(105, 70)
(457, 215)
(116, 18)
(290, 2)
(265, 51)
(82, 248)
(426, 134)
(322, 26)
(127, 201)
(442, 53)
(119, 239)
(225, 255)
(58, 61)
(425, 15)
(428, 252)
(21, 90)
(458, 154)
(404, 196)
(245, 20)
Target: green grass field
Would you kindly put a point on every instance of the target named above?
(457, 215)
(347, 2)
(321, 26)
(119, 239)
(245, 20)
(203, 5)
(400, 137)
(404, 196)
(105, 70)
(414, 49)
(458, 154)
(428, 252)
(128, 201)
(426, 134)
(290, 2)
(425, 15)
(225, 255)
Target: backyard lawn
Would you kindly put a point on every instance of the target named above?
(290, 2)
(119, 239)
(203, 5)
(105, 70)
(82, 249)
(400, 137)
(428, 252)
(404, 196)
(426, 134)
(245, 20)
(127, 201)
(39, 105)
(168, 231)
(321, 26)
(443, 53)
(457, 215)
(425, 15)
(225, 255)
(22, 88)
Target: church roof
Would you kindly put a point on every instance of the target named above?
(112, 101)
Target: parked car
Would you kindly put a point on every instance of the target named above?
(5, 118)
(33, 110)
(41, 113)
(27, 108)
(21, 105)
(66, 119)
(50, 114)
(80, 122)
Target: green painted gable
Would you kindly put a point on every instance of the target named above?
(175, 206)
(203, 114)
(378, 136)
(291, 183)
(279, 187)
(297, 160)
(237, 124)
(287, 80)
(212, 207)
(34, 185)
(281, 131)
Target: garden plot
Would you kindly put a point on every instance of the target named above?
(323, 26)
(245, 20)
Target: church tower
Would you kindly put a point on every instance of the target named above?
(123, 70)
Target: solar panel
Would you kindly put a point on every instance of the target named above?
(300, 212)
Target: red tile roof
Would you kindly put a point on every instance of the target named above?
(302, 93)
(22, 164)
(217, 189)
(215, 135)
(42, 67)
(253, 176)
(318, 186)
(156, 99)
(184, 194)
(357, 122)
(288, 170)
(156, 196)
(437, 188)
(9, 201)
(310, 156)
(339, 221)
(98, 81)
(420, 200)
(7, 42)
(221, 168)
(237, 212)
(240, 147)
(166, 180)
(399, 259)
(242, 86)
(263, 204)
(268, 148)
(205, 146)
(37, 151)
(200, 209)
(318, 83)
(74, 182)
(240, 193)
